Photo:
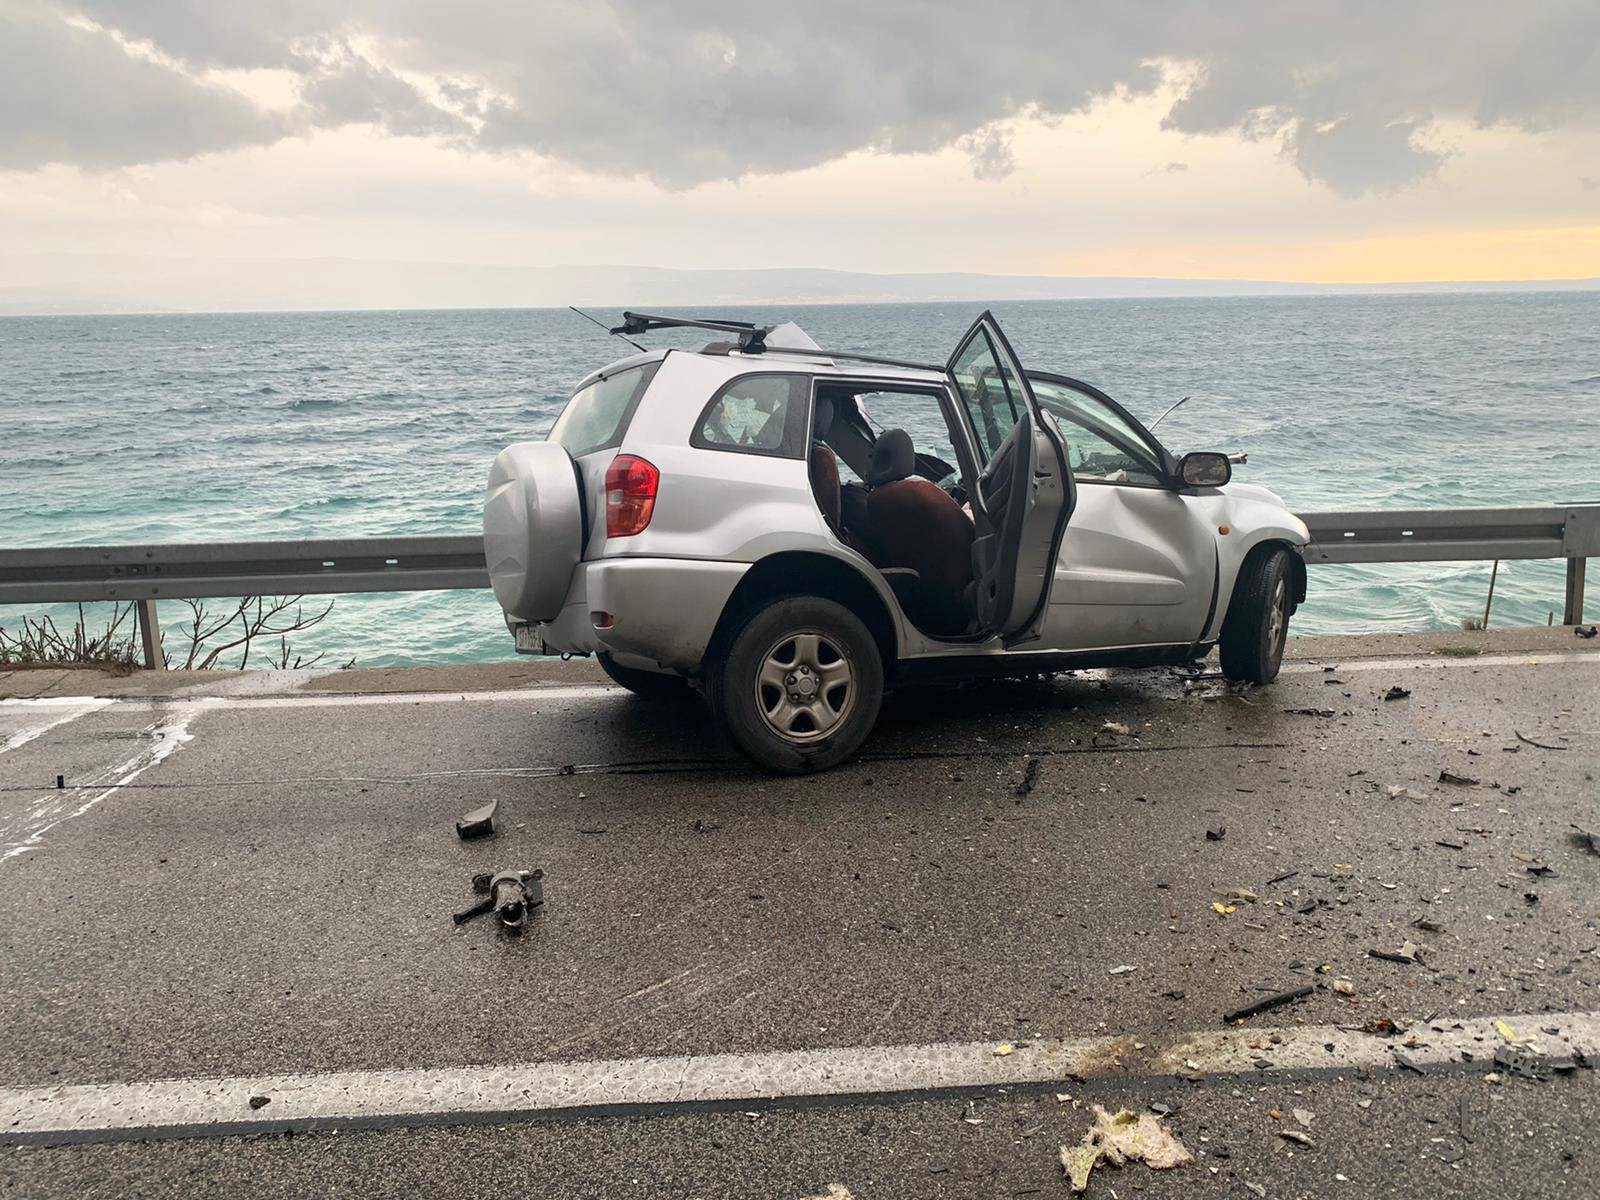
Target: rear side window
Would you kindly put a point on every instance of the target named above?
(597, 416)
(757, 414)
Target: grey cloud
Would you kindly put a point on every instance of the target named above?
(990, 152)
(693, 91)
(358, 91)
(72, 95)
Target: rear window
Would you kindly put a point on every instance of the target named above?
(597, 416)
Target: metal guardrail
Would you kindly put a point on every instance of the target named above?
(413, 564)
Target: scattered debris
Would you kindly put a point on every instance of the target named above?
(1242, 894)
(510, 895)
(259, 1101)
(1311, 712)
(1407, 953)
(1304, 1115)
(1536, 745)
(1458, 780)
(1261, 1006)
(1585, 631)
(1281, 878)
(479, 823)
(1344, 987)
(1407, 1062)
(1121, 970)
(1295, 1136)
(1541, 870)
(1397, 693)
(1221, 909)
(1116, 729)
(1403, 793)
(1585, 840)
(1030, 775)
(1121, 1139)
(1003, 1049)
(1216, 834)
(1427, 926)
(836, 1191)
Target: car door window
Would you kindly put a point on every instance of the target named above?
(988, 391)
(757, 414)
(1102, 446)
(919, 415)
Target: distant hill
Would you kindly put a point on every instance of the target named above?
(95, 283)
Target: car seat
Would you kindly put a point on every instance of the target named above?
(822, 466)
(919, 526)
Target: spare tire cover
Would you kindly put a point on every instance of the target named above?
(532, 529)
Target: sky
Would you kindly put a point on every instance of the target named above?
(1346, 141)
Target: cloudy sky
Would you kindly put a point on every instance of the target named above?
(1336, 141)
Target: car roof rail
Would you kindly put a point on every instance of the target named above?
(752, 339)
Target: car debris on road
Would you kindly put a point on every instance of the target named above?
(1120, 1138)
(479, 823)
(510, 895)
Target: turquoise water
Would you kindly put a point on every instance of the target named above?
(238, 426)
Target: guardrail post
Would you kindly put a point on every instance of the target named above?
(150, 633)
(1574, 609)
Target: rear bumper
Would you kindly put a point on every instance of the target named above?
(662, 611)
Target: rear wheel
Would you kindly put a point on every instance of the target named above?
(800, 684)
(648, 685)
(1257, 624)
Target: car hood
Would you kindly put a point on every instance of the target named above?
(1253, 491)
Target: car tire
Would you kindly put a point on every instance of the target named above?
(647, 685)
(1257, 624)
(799, 684)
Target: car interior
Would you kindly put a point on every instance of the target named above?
(903, 510)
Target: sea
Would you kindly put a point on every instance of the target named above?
(211, 427)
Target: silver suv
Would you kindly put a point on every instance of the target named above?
(792, 531)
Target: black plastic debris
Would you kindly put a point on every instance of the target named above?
(1261, 1006)
(1585, 840)
(479, 823)
(510, 895)
(1536, 745)
(1030, 774)
(1458, 780)
(1216, 834)
(259, 1101)
(1310, 712)
(1408, 953)
(1397, 693)
(1586, 631)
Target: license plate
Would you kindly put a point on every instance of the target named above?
(528, 641)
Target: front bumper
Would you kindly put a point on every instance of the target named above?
(662, 611)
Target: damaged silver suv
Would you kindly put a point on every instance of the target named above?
(792, 531)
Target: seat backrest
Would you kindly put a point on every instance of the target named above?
(892, 458)
(823, 468)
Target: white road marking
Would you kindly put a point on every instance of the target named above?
(23, 832)
(565, 691)
(454, 1095)
(1441, 662)
(356, 699)
(79, 708)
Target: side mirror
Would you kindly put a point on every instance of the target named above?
(1205, 468)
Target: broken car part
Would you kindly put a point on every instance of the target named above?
(478, 823)
(510, 895)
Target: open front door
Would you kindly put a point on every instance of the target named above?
(1025, 488)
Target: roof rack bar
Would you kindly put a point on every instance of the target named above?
(635, 323)
(862, 358)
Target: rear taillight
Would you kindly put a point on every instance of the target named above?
(630, 495)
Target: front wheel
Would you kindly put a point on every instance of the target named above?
(800, 684)
(1257, 624)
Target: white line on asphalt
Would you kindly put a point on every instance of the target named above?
(25, 831)
(348, 699)
(78, 708)
(1443, 663)
(455, 1095)
(564, 691)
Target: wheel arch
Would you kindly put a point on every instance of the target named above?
(1266, 543)
(807, 573)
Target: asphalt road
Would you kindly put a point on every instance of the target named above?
(269, 889)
